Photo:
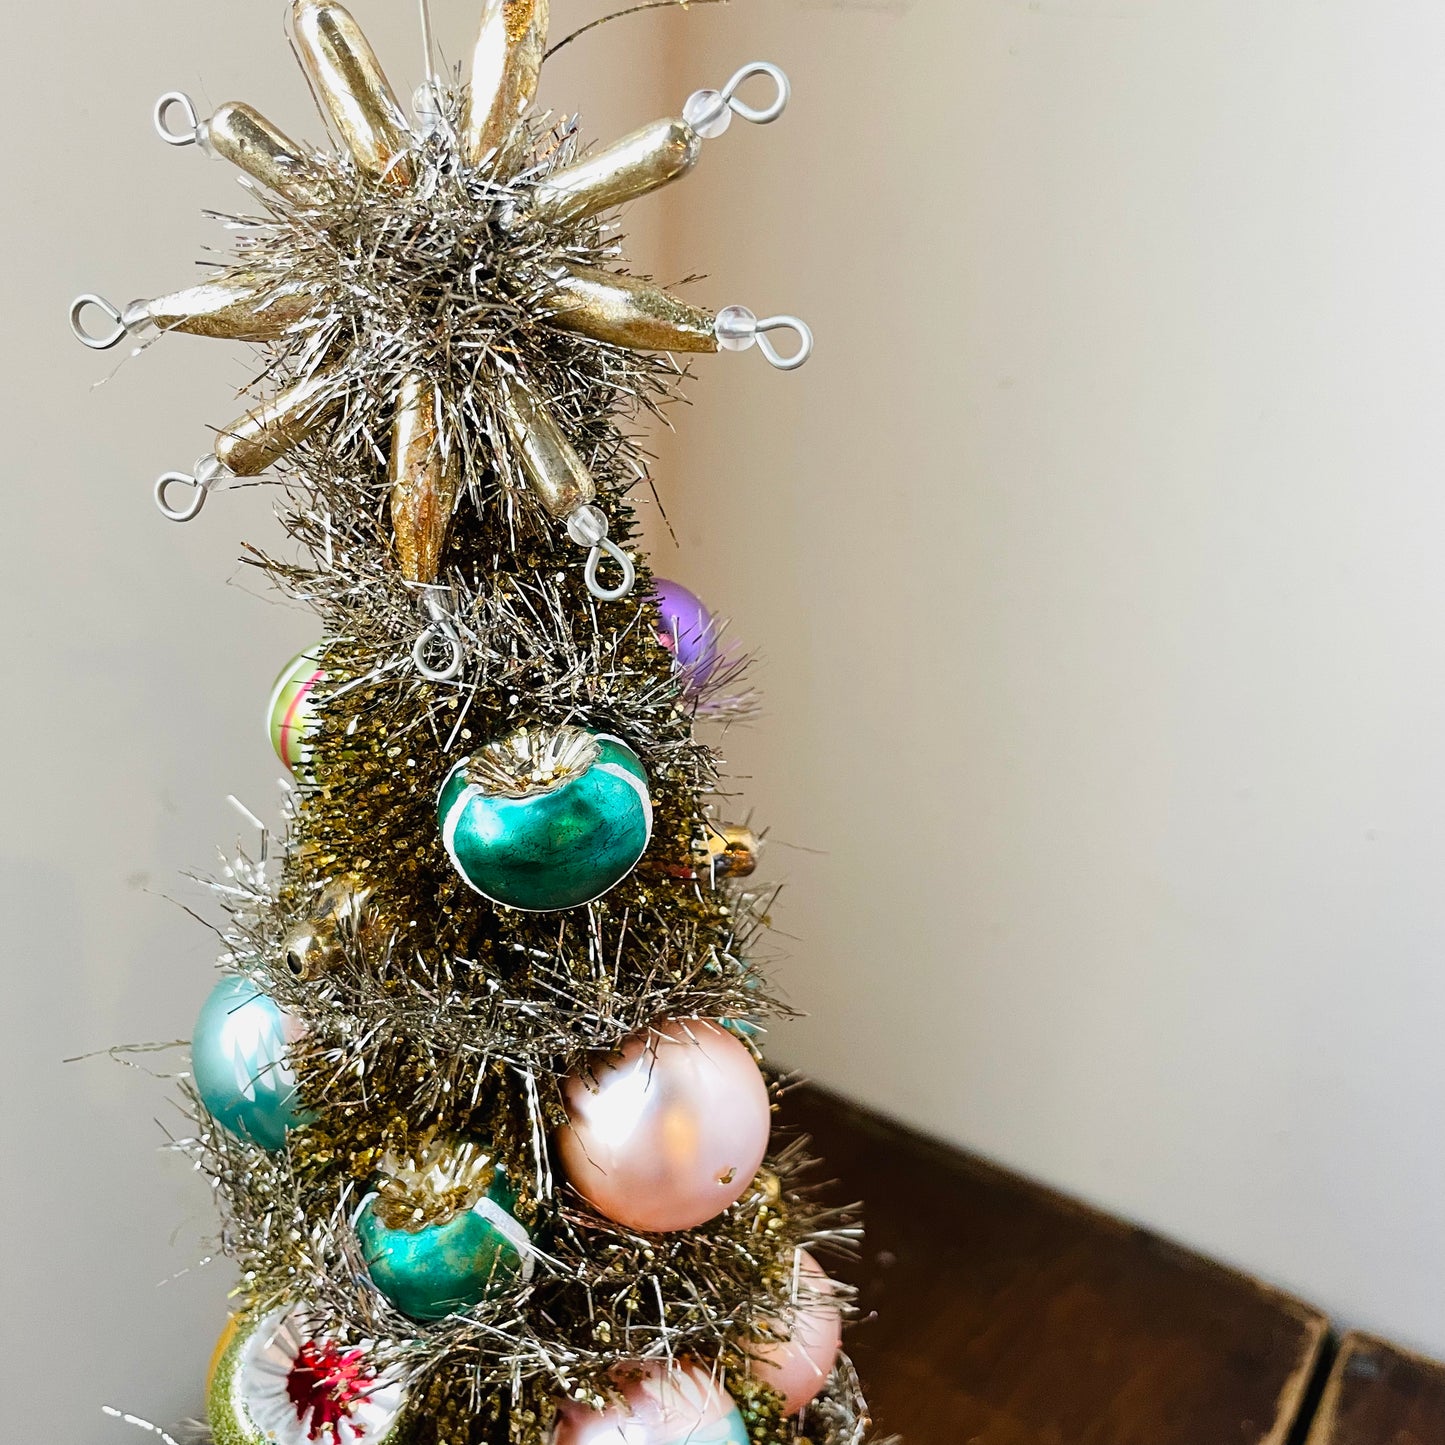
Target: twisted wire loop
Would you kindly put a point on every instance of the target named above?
(767, 114)
(188, 510)
(594, 562)
(177, 100)
(795, 324)
(441, 630)
(208, 472)
(97, 341)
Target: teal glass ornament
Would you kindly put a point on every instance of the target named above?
(238, 1063)
(445, 1268)
(546, 818)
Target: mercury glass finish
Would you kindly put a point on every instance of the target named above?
(446, 1268)
(423, 487)
(242, 135)
(556, 844)
(668, 1132)
(264, 435)
(237, 306)
(638, 163)
(506, 63)
(555, 472)
(799, 1362)
(680, 1405)
(340, 919)
(731, 851)
(626, 312)
(352, 88)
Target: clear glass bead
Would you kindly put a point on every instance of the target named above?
(587, 526)
(736, 328)
(210, 469)
(426, 107)
(708, 113)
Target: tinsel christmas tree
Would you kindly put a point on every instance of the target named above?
(478, 1086)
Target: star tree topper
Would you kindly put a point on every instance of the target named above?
(416, 281)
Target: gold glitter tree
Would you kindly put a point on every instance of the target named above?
(503, 894)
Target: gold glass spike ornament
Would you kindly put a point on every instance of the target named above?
(342, 917)
(506, 65)
(423, 482)
(349, 86)
(417, 279)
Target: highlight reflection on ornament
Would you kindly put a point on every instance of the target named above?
(669, 1131)
(659, 1405)
(238, 1063)
(277, 1383)
(798, 1362)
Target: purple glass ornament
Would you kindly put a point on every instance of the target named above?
(687, 631)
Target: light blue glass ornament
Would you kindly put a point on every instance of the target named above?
(546, 818)
(238, 1062)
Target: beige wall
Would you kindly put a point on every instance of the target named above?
(139, 657)
(1096, 568)
(1094, 563)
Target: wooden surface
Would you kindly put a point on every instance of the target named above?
(997, 1313)
(1379, 1394)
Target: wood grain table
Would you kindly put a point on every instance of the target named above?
(1379, 1394)
(999, 1313)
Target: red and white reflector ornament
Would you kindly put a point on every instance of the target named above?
(279, 1384)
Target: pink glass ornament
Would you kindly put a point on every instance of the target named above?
(659, 1406)
(669, 1131)
(799, 1366)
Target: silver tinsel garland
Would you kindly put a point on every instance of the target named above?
(448, 1013)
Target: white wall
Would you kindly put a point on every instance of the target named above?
(139, 657)
(1096, 564)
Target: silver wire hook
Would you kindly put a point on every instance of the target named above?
(710, 112)
(737, 328)
(112, 313)
(441, 628)
(594, 561)
(192, 508)
(182, 102)
(768, 113)
(209, 470)
(587, 527)
(785, 323)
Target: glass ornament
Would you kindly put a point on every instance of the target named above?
(546, 819)
(659, 1405)
(276, 1382)
(238, 1063)
(669, 1131)
(441, 1234)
